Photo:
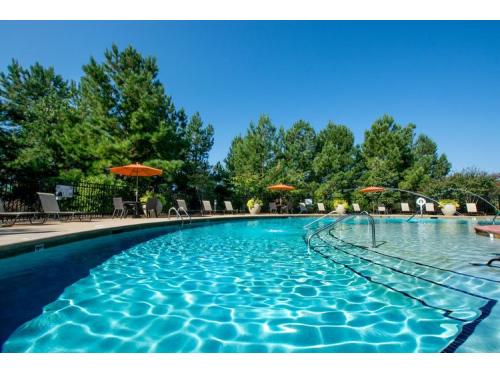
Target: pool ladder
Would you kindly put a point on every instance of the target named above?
(178, 214)
(331, 226)
(320, 218)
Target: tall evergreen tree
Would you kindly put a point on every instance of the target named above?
(196, 170)
(125, 102)
(334, 164)
(252, 156)
(426, 165)
(387, 152)
(36, 116)
(299, 148)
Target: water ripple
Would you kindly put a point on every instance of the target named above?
(245, 287)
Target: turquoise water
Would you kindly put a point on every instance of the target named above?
(254, 286)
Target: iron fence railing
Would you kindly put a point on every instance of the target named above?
(76, 196)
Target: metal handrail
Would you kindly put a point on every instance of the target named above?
(178, 213)
(329, 227)
(182, 209)
(497, 212)
(411, 217)
(320, 218)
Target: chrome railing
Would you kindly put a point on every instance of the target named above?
(178, 213)
(320, 218)
(329, 227)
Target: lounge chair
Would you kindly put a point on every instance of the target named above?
(273, 207)
(207, 208)
(50, 207)
(181, 204)
(381, 209)
(356, 208)
(429, 208)
(182, 207)
(303, 208)
(10, 218)
(120, 210)
(472, 209)
(405, 208)
(229, 207)
(321, 208)
(309, 204)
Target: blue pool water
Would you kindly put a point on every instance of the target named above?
(254, 286)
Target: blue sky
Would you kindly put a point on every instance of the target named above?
(442, 76)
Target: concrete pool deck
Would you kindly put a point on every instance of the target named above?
(22, 238)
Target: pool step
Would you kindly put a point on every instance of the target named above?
(424, 285)
(466, 283)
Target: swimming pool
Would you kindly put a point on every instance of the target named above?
(254, 286)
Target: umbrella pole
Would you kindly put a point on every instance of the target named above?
(136, 193)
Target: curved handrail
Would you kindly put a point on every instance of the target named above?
(320, 218)
(411, 217)
(416, 193)
(176, 213)
(329, 227)
(185, 212)
(496, 210)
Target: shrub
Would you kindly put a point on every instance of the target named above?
(150, 194)
(444, 202)
(252, 202)
(343, 202)
(146, 196)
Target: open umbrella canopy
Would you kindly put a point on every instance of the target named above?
(372, 189)
(137, 170)
(281, 187)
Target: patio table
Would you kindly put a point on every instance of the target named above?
(135, 205)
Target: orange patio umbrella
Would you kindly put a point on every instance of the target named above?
(372, 189)
(281, 187)
(136, 170)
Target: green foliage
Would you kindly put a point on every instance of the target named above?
(340, 202)
(104, 179)
(119, 113)
(335, 160)
(194, 176)
(253, 202)
(125, 104)
(298, 149)
(146, 196)
(37, 117)
(459, 185)
(329, 165)
(252, 162)
(426, 165)
(387, 152)
(444, 202)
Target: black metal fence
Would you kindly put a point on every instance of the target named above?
(78, 196)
